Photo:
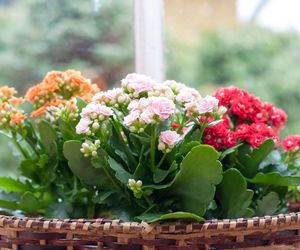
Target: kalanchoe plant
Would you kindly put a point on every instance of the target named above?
(145, 151)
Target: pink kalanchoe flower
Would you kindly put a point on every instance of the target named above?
(138, 83)
(202, 106)
(207, 104)
(131, 118)
(83, 126)
(188, 95)
(168, 139)
(291, 143)
(95, 108)
(162, 107)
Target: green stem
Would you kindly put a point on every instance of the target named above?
(147, 200)
(152, 147)
(17, 144)
(111, 178)
(127, 151)
(161, 161)
(32, 145)
(139, 166)
(203, 126)
(74, 185)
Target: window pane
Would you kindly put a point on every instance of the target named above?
(252, 44)
(37, 36)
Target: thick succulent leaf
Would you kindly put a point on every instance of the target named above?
(268, 204)
(195, 183)
(12, 205)
(12, 185)
(30, 203)
(153, 217)
(27, 107)
(121, 174)
(275, 179)
(249, 162)
(82, 167)
(188, 147)
(229, 151)
(80, 103)
(48, 139)
(29, 169)
(160, 174)
(233, 196)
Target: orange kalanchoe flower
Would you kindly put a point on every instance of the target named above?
(6, 93)
(17, 117)
(40, 111)
(58, 86)
(15, 101)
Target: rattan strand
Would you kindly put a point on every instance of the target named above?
(277, 232)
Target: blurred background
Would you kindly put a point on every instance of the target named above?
(254, 44)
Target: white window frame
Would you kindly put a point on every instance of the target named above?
(148, 38)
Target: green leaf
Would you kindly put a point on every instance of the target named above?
(121, 174)
(13, 205)
(143, 140)
(194, 184)
(275, 179)
(30, 203)
(188, 147)
(27, 107)
(29, 169)
(213, 123)
(11, 185)
(82, 167)
(268, 204)
(102, 196)
(48, 139)
(229, 151)
(233, 195)
(80, 103)
(160, 174)
(249, 163)
(101, 159)
(153, 217)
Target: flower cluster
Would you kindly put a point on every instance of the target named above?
(135, 187)
(247, 108)
(202, 106)
(246, 119)
(93, 117)
(149, 110)
(58, 86)
(167, 140)
(11, 117)
(89, 148)
(291, 143)
(112, 98)
(143, 102)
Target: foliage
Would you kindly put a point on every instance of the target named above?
(253, 58)
(138, 153)
(256, 59)
(39, 35)
(61, 35)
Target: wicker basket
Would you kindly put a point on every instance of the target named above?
(255, 233)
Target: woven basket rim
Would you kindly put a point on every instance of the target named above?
(265, 223)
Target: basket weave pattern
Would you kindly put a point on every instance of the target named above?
(32, 234)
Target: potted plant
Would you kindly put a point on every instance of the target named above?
(146, 152)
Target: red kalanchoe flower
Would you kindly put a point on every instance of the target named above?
(291, 143)
(256, 140)
(175, 125)
(276, 117)
(242, 131)
(229, 140)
